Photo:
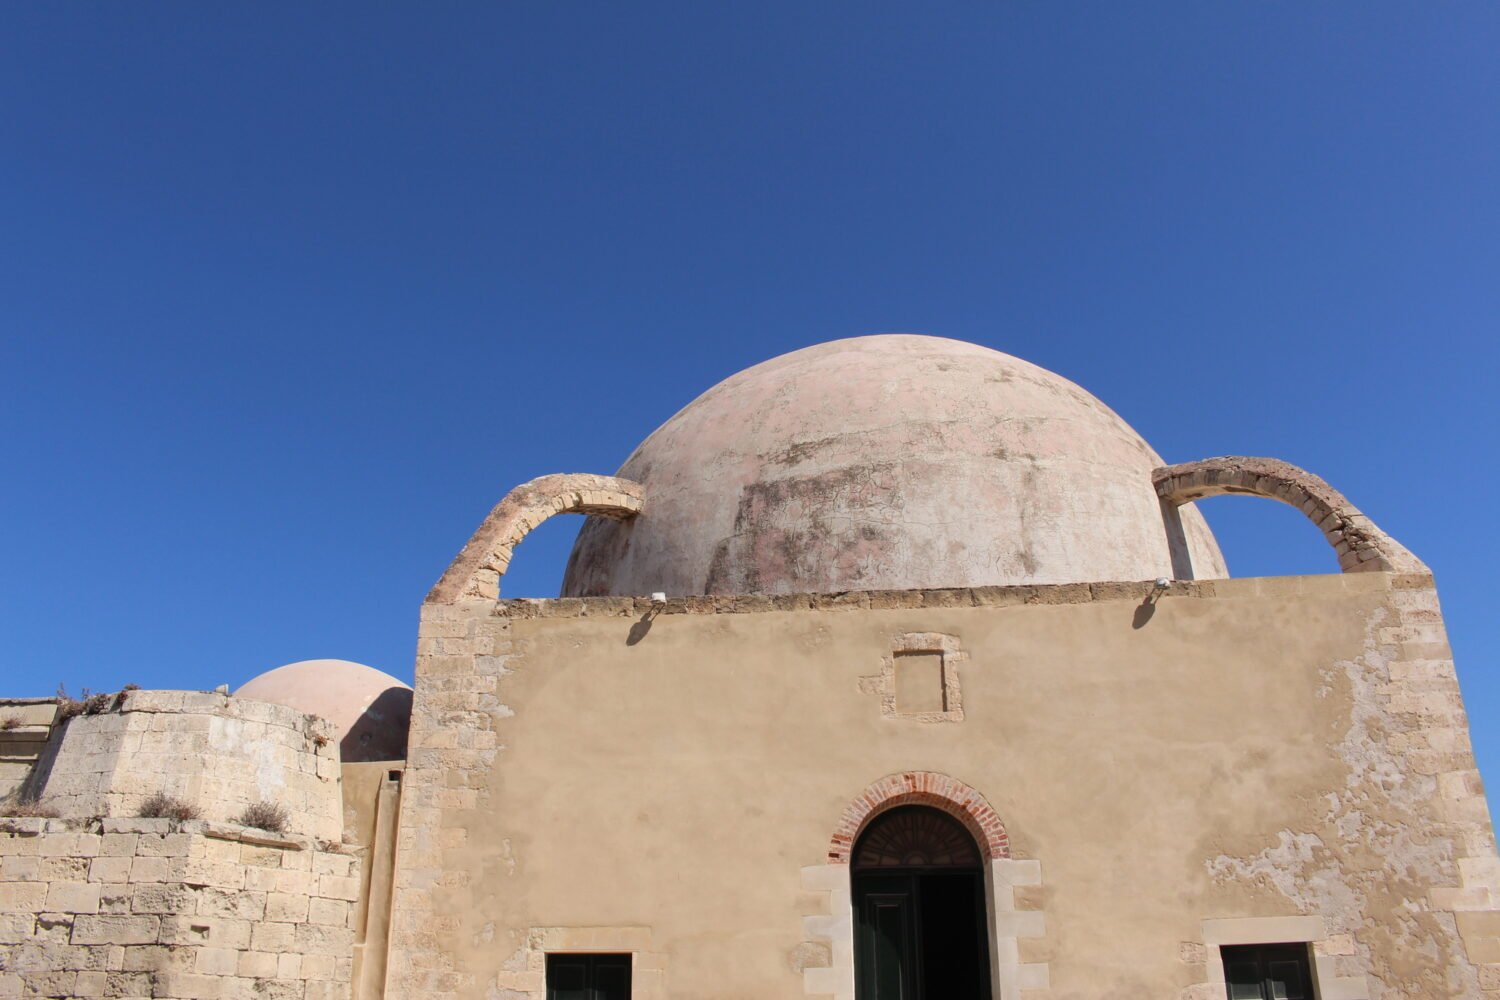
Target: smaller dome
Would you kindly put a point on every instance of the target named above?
(370, 709)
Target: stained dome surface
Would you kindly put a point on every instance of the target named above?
(890, 462)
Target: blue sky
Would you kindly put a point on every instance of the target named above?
(291, 295)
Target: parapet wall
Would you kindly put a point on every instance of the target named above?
(217, 753)
(149, 908)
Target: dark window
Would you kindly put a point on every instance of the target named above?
(1267, 972)
(588, 977)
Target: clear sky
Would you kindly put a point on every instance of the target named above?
(290, 295)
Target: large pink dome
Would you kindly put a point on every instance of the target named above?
(886, 463)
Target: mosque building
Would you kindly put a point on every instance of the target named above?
(895, 668)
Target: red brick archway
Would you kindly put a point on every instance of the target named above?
(924, 788)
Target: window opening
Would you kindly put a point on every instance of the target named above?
(1267, 972)
(588, 977)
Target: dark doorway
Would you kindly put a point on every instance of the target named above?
(919, 922)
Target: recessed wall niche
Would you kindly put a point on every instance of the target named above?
(918, 681)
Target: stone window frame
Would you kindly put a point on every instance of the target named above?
(884, 683)
(526, 974)
(1325, 950)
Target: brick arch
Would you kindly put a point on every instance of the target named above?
(1360, 544)
(921, 788)
(476, 573)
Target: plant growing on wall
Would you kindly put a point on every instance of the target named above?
(264, 816)
(160, 805)
(27, 807)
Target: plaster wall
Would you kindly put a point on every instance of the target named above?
(584, 774)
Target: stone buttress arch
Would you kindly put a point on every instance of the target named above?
(476, 573)
(925, 788)
(1360, 544)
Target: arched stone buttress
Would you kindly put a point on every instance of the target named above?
(475, 574)
(830, 934)
(1360, 544)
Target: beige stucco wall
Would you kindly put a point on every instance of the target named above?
(1246, 749)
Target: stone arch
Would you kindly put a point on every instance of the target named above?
(1360, 544)
(476, 573)
(926, 788)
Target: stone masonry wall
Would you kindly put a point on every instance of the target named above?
(149, 908)
(216, 752)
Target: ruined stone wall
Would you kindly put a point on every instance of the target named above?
(1236, 761)
(149, 908)
(218, 753)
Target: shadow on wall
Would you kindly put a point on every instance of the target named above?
(380, 732)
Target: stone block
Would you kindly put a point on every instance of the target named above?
(311, 939)
(114, 929)
(20, 868)
(327, 990)
(173, 845)
(16, 928)
(286, 907)
(317, 966)
(73, 897)
(91, 984)
(161, 898)
(122, 824)
(187, 986)
(257, 964)
(324, 863)
(216, 961)
(1446, 898)
(288, 966)
(118, 845)
(294, 882)
(62, 869)
(218, 932)
(50, 983)
(279, 938)
(22, 897)
(157, 958)
(110, 869)
(328, 911)
(338, 887)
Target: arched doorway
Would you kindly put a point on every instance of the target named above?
(919, 919)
